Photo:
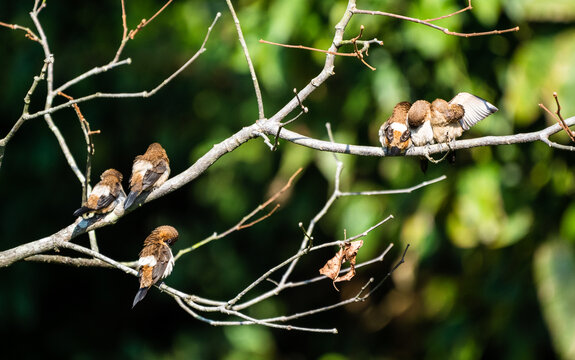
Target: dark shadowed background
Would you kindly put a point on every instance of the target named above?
(491, 267)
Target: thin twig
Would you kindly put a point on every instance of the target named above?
(85, 125)
(306, 234)
(93, 241)
(395, 191)
(308, 48)
(249, 60)
(427, 23)
(94, 71)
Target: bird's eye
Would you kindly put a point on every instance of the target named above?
(405, 136)
(389, 134)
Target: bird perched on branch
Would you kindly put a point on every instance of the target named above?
(149, 171)
(442, 121)
(394, 133)
(156, 260)
(104, 196)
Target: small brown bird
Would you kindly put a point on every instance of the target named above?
(394, 133)
(104, 196)
(419, 121)
(149, 171)
(156, 260)
(443, 121)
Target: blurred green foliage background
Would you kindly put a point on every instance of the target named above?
(491, 267)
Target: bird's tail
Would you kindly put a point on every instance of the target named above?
(130, 199)
(140, 295)
(81, 211)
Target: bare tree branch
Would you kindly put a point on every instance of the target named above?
(541, 135)
(394, 191)
(71, 261)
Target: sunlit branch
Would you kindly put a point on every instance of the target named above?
(377, 151)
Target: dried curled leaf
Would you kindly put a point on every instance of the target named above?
(332, 267)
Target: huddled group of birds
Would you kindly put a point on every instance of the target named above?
(149, 171)
(423, 123)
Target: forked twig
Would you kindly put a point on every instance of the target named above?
(145, 22)
(356, 50)
(304, 110)
(437, 27)
(129, 34)
(302, 47)
(231, 304)
(357, 53)
(557, 116)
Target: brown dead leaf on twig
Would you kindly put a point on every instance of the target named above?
(332, 267)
